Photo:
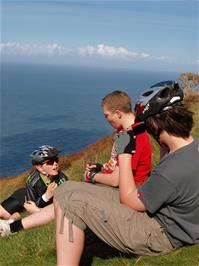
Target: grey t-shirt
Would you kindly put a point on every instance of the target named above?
(171, 194)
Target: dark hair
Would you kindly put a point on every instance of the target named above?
(117, 100)
(177, 121)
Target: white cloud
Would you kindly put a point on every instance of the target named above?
(145, 55)
(106, 51)
(162, 58)
(18, 49)
(165, 59)
(54, 49)
(57, 50)
(100, 54)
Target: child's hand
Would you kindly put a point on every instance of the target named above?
(50, 190)
(31, 207)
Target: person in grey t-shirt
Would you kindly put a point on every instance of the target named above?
(160, 215)
(171, 195)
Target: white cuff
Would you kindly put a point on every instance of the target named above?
(45, 198)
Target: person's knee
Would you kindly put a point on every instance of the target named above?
(64, 188)
(70, 186)
(4, 213)
(15, 216)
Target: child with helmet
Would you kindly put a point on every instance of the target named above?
(40, 184)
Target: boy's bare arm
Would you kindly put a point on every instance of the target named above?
(108, 179)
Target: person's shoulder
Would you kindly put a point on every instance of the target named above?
(138, 128)
(33, 177)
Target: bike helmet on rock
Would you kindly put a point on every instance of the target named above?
(43, 154)
(158, 98)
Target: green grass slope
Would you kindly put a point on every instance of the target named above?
(37, 246)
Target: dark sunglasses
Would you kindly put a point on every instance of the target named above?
(51, 161)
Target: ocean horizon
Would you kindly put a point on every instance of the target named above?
(59, 105)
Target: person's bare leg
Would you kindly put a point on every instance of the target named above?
(4, 214)
(44, 216)
(68, 253)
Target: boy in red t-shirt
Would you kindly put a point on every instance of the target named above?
(117, 110)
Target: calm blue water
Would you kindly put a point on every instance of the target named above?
(58, 105)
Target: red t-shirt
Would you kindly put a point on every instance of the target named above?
(141, 159)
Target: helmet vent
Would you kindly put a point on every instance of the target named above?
(147, 93)
(164, 93)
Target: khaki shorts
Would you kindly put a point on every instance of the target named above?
(99, 208)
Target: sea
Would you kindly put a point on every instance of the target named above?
(58, 105)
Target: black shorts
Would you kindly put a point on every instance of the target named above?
(15, 202)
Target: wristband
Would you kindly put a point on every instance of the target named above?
(45, 198)
(90, 177)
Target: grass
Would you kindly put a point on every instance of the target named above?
(37, 246)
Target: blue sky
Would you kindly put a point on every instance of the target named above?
(156, 35)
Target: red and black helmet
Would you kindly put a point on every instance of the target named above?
(158, 98)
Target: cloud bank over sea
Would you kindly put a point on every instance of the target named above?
(100, 53)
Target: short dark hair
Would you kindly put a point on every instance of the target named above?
(177, 121)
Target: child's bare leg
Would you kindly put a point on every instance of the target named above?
(44, 216)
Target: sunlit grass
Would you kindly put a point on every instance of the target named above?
(37, 246)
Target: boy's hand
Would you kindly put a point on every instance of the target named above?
(96, 167)
(125, 142)
(91, 171)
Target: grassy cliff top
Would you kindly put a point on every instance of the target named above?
(37, 246)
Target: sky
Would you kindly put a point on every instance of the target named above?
(142, 34)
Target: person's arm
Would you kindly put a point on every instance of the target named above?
(111, 179)
(125, 144)
(30, 192)
(41, 200)
(47, 197)
(127, 187)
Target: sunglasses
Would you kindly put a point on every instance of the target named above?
(51, 161)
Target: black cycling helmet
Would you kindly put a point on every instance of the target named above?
(43, 154)
(160, 97)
